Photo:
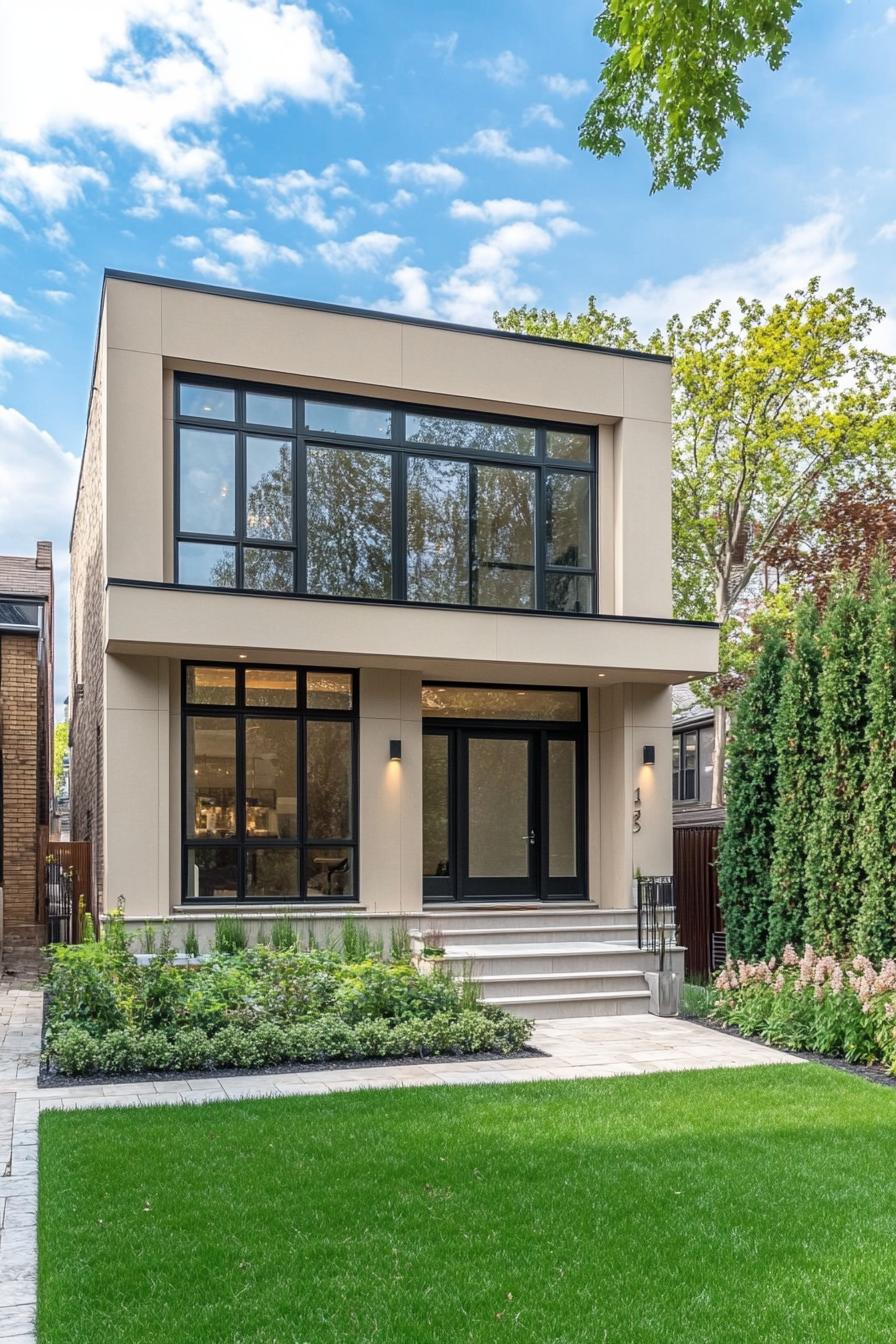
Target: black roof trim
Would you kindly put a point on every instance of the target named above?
(313, 305)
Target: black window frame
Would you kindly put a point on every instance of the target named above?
(301, 715)
(680, 771)
(450, 888)
(399, 449)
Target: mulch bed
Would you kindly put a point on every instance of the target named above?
(872, 1073)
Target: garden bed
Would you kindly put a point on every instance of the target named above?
(112, 1017)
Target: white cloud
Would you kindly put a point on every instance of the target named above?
(38, 479)
(814, 248)
(159, 193)
(495, 144)
(49, 186)
(541, 112)
(357, 166)
(506, 68)
(151, 73)
(57, 296)
(414, 297)
(402, 198)
(429, 176)
(445, 46)
(300, 195)
(561, 227)
(9, 307)
(562, 87)
(886, 232)
(57, 235)
(505, 208)
(890, 14)
(12, 351)
(252, 250)
(9, 221)
(188, 241)
(363, 253)
(212, 268)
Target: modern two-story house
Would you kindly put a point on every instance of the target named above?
(370, 613)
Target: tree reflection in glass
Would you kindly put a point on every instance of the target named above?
(438, 530)
(504, 545)
(349, 527)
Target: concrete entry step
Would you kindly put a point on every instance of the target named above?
(527, 933)
(527, 986)
(575, 1005)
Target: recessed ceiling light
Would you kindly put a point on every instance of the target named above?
(601, 674)
(244, 655)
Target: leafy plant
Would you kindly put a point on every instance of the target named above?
(148, 939)
(230, 934)
(191, 941)
(283, 934)
(356, 945)
(400, 943)
(74, 1052)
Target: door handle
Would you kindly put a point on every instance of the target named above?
(530, 837)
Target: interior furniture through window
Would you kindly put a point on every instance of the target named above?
(278, 491)
(269, 783)
(685, 763)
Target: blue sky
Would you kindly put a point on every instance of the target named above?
(392, 153)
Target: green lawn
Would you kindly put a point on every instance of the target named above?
(750, 1205)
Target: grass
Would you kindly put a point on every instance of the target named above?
(752, 1204)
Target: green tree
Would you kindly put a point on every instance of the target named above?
(875, 927)
(835, 873)
(796, 742)
(770, 408)
(745, 848)
(60, 747)
(673, 78)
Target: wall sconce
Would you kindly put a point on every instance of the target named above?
(395, 749)
(649, 755)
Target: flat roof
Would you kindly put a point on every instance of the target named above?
(313, 305)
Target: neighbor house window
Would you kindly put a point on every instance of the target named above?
(278, 492)
(269, 783)
(685, 758)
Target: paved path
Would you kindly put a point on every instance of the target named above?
(585, 1047)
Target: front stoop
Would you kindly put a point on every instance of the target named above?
(548, 962)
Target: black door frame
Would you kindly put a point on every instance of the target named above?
(455, 886)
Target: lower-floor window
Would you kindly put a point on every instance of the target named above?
(269, 783)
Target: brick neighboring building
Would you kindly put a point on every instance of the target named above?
(26, 733)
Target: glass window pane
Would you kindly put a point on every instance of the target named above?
(206, 564)
(271, 755)
(266, 570)
(438, 531)
(328, 779)
(436, 850)
(475, 436)
(498, 828)
(207, 403)
(329, 690)
(500, 702)
(349, 522)
(328, 871)
(266, 408)
(271, 687)
(562, 858)
(571, 447)
(208, 481)
(269, 489)
(504, 537)
(211, 685)
(272, 873)
(569, 593)
(568, 507)
(212, 872)
(27, 614)
(363, 422)
(211, 776)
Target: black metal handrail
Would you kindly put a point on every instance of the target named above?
(657, 914)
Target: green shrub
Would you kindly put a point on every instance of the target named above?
(400, 944)
(283, 935)
(230, 934)
(356, 942)
(191, 1049)
(374, 1038)
(333, 1039)
(158, 1051)
(270, 1043)
(74, 1052)
(120, 1052)
(191, 942)
(234, 1048)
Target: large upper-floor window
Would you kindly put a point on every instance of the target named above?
(269, 783)
(283, 492)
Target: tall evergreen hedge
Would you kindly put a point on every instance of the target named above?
(745, 848)
(796, 743)
(835, 872)
(875, 926)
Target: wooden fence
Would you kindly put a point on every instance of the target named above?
(701, 928)
(64, 888)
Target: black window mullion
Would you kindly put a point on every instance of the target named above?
(541, 521)
(301, 511)
(399, 527)
(472, 497)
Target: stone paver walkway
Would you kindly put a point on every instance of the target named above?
(587, 1047)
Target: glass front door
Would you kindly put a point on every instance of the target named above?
(502, 813)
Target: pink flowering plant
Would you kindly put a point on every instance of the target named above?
(845, 1008)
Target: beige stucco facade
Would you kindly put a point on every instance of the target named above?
(141, 627)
